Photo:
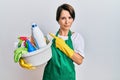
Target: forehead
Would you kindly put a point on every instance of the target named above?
(65, 13)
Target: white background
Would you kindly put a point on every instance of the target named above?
(97, 20)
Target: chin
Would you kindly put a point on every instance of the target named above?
(65, 28)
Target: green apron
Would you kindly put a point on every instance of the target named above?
(60, 67)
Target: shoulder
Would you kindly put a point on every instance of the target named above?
(77, 36)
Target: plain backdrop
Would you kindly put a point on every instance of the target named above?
(97, 20)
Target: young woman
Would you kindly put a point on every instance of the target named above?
(67, 47)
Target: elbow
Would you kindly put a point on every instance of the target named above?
(79, 62)
(78, 59)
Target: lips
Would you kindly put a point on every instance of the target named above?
(67, 26)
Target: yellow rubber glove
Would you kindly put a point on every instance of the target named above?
(25, 65)
(60, 43)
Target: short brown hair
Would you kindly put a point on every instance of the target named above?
(67, 7)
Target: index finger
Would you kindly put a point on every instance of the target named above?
(53, 35)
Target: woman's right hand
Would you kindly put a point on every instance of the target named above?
(25, 65)
(60, 43)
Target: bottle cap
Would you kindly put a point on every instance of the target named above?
(34, 25)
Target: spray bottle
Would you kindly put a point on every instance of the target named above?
(38, 36)
(30, 47)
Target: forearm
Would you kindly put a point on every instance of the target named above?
(77, 58)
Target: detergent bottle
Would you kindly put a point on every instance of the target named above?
(38, 36)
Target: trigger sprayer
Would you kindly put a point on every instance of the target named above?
(27, 44)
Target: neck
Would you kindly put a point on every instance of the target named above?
(63, 32)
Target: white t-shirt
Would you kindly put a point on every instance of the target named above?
(77, 40)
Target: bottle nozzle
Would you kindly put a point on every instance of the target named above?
(34, 24)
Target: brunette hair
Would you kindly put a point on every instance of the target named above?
(67, 7)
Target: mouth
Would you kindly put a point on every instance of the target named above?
(67, 26)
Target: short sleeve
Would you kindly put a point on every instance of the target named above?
(78, 43)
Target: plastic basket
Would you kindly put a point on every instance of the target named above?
(39, 57)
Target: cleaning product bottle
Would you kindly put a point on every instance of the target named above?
(38, 36)
(27, 43)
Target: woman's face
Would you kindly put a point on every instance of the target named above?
(65, 20)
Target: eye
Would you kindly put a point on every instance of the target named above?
(70, 17)
(62, 18)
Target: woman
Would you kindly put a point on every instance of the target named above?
(67, 47)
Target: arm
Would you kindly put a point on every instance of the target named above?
(60, 43)
(77, 58)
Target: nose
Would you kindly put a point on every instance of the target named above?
(67, 21)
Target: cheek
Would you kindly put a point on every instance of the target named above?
(71, 21)
(60, 22)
